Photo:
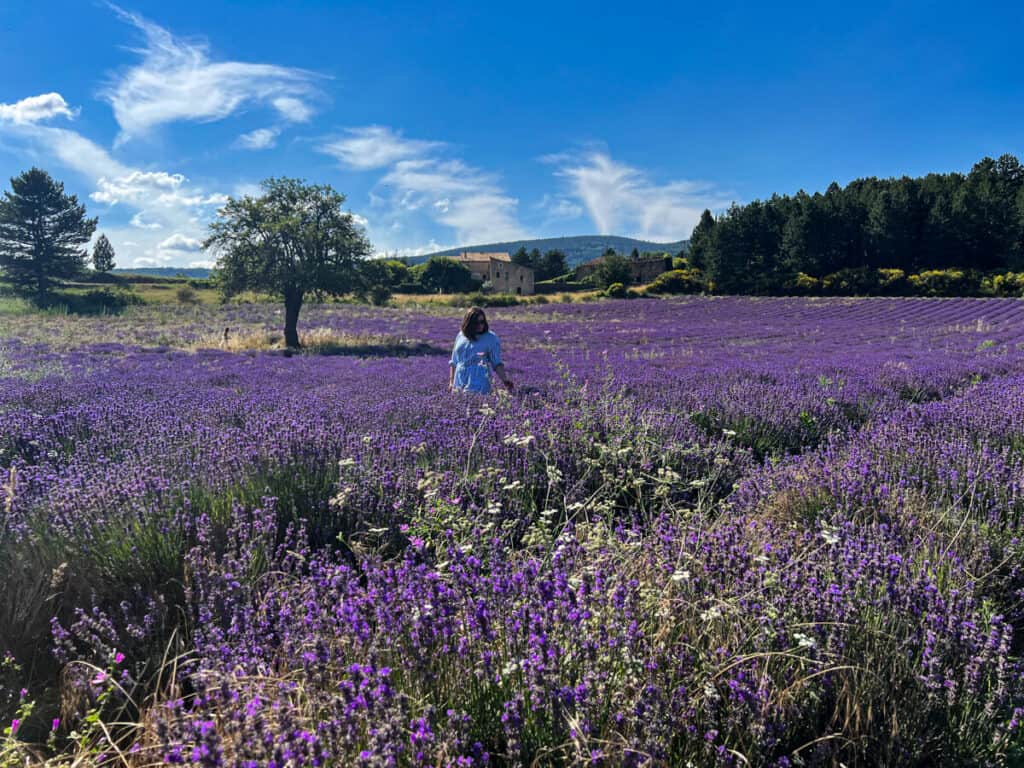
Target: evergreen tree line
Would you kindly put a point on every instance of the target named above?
(869, 234)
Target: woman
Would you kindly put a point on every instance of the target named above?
(475, 353)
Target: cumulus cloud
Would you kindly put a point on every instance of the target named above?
(35, 109)
(261, 138)
(177, 80)
(137, 187)
(179, 242)
(623, 200)
(375, 146)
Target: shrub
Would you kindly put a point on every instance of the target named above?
(380, 295)
(945, 282)
(863, 281)
(410, 287)
(94, 302)
(186, 294)
(804, 284)
(1005, 284)
(893, 282)
(616, 291)
(677, 281)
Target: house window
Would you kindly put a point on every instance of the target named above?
(497, 273)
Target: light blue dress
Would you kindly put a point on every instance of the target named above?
(473, 360)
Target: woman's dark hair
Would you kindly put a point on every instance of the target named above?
(469, 323)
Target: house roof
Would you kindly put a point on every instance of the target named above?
(479, 256)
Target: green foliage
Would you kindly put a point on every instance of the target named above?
(803, 285)
(103, 301)
(103, 255)
(186, 294)
(1005, 284)
(700, 240)
(615, 291)
(42, 234)
(380, 295)
(677, 281)
(945, 282)
(545, 266)
(613, 268)
(853, 281)
(447, 276)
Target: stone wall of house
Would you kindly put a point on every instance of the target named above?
(507, 277)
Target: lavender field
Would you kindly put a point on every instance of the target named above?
(712, 531)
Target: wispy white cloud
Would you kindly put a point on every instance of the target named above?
(261, 138)
(292, 109)
(420, 184)
(456, 195)
(141, 223)
(375, 146)
(623, 200)
(559, 208)
(177, 80)
(35, 109)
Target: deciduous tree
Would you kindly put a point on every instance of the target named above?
(292, 241)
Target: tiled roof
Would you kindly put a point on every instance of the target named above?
(476, 256)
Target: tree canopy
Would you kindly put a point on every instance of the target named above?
(446, 275)
(613, 268)
(42, 234)
(292, 241)
(545, 266)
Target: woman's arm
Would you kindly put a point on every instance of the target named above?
(451, 377)
(500, 371)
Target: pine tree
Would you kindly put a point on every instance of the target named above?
(103, 255)
(42, 234)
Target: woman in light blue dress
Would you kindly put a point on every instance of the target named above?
(476, 352)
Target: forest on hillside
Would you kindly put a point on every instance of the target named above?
(868, 231)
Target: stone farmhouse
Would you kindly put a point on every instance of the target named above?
(499, 272)
(644, 269)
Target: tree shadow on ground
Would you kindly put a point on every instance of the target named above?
(417, 349)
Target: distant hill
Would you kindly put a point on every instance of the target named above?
(576, 249)
(195, 272)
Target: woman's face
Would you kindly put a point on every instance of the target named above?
(479, 322)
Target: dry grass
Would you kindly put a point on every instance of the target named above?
(322, 341)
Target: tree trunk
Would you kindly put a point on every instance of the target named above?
(292, 305)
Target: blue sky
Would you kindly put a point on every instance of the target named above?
(461, 123)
